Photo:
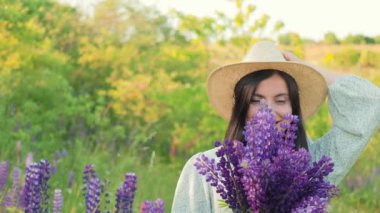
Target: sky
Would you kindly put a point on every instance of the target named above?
(310, 18)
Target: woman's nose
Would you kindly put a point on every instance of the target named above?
(276, 115)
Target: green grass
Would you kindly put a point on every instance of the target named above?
(154, 179)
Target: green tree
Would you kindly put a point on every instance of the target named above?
(377, 39)
(240, 30)
(369, 59)
(331, 38)
(290, 38)
(36, 94)
(293, 41)
(358, 39)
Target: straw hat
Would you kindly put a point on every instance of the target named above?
(265, 55)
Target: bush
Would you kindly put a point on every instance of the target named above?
(330, 38)
(353, 57)
(346, 57)
(358, 39)
(369, 59)
(290, 38)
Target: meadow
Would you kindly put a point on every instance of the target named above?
(76, 90)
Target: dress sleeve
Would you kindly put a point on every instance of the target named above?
(354, 105)
(192, 193)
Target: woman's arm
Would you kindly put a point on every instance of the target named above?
(354, 105)
(330, 77)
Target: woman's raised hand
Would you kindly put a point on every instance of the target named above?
(329, 76)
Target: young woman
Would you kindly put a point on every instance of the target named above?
(288, 85)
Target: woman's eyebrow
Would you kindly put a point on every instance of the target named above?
(278, 95)
(281, 94)
(258, 95)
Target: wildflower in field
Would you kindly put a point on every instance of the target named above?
(267, 174)
(64, 153)
(36, 187)
(29, 159)
(33, 196)
(125, 194)
(57, 156)
(58, 201)
(12, 198)
(88, 174)
(71, 179)
(93, 195)
(92, 189)
(156, 206)
(4, 170)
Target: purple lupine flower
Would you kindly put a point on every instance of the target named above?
(125, 194)
(32, 188)
(225, 175)
(36, 187)
(13, 195)
(230, 166)
(4, 171)
(57, 155)
(53, 168)
(288, 132)
(57, 201)
(6, 202)
(156, 206)
(71, 179)
(55, 162)
(45, 175)
(21, 198)
(29, 159)
(93, 196)
(260, 133)
(92, 189)
(146, 206)
(311, 204)
(270, 173)
(64, 153)
(88, 174)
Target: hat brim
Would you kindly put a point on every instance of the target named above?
(221, 83)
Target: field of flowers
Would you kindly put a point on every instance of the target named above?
(359, 191)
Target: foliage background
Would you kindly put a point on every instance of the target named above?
(125, 89)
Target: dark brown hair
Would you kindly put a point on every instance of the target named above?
(244, 90)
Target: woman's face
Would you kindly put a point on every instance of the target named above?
(275, 93)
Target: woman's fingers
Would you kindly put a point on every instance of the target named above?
(290, 56)
(329, 76)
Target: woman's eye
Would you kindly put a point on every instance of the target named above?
(281, 102)
(255, 101)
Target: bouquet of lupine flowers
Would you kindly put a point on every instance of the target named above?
(267, 173)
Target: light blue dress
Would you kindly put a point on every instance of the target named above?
(354, 104)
